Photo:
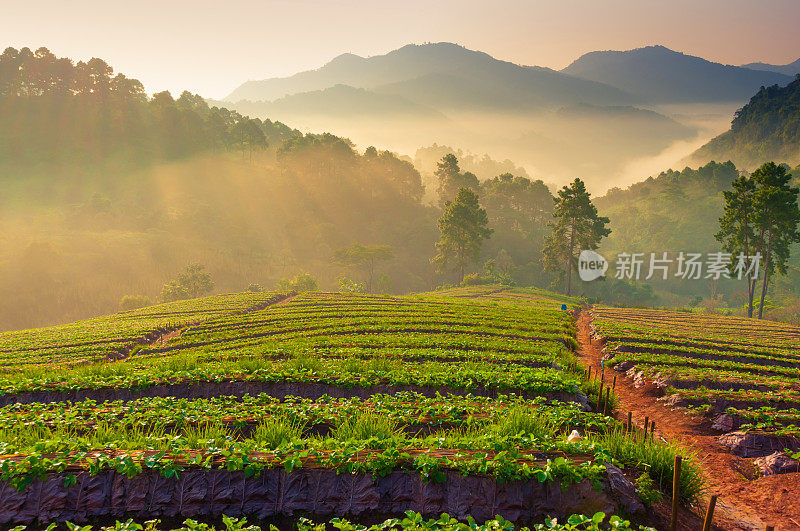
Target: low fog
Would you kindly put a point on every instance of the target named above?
(606, 146)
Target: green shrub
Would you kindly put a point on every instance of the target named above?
(272, 432)
(300, 283)
(134, 302)
(657, 458)
(192, 282)
(348, 285)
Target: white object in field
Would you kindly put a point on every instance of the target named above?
(574, 437)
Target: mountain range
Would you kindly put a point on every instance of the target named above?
(442, 75)
(602, 117)
(445, 75)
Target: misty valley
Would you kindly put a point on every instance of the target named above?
(428, 289)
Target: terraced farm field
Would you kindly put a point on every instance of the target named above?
(322, 404)
(742, 374)
(745, 368)
(109, 337)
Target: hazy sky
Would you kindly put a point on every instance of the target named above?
(211, 48)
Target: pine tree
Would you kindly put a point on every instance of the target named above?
(463, 226)
(761, 217)
(576, 227)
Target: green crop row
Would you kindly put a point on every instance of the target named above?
(632, 342)
(412, 521)
(404, 409)
(721, 329)
(514, 447)
(711, 360)
(409, 348)
(343, 372)
(668, 363)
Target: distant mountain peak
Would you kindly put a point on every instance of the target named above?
(661, 75)
(440, 74)
(346, 58)
(791, 69)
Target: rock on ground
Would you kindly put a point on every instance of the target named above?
(752, 444)
(777, 463)
(623, 491)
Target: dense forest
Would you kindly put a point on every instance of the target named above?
(56, 110)
(679, 211)
(767, 128)
(108, 194)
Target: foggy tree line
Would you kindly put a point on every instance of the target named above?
(288, 212)
(55, 109)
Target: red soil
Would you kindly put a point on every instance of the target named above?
(743, 503)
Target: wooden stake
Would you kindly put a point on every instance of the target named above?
(630, 421)
(614, 385)
(600, 395)
(600, 398)
(605, 405)
(590, 374)
(676, 493)
(646, 422)
(710, 513)
(653, 430)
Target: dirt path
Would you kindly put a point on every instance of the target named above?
(742, 504)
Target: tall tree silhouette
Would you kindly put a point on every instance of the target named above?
(576, 227)
(463, 227)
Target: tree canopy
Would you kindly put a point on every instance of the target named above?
(463, 228)
(364, 257)
(576, 227)
(760, 219)
(54, 109)
(451, 179)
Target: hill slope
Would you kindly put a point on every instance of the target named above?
(338, 100)
(450, 72)
(661, 75)
(767, 128)
(791, 69)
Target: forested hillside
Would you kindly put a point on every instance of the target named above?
(107, 192)
(767, 128)
(679, 211)
(57, 111)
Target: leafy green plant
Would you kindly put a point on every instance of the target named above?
(647, 490)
